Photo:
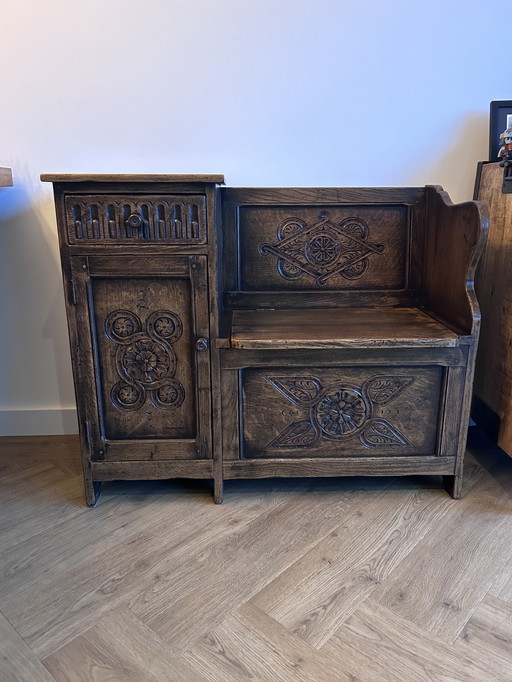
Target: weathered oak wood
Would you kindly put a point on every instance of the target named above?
(455, 237)
(126, 177)
(320, 196)
(151, 450)
(346, 466)
(5, 177)
(254, 300)
(141, 319)
(236, 332)
(493, 283)
(236, 358)
(132, 470)
(351, 327)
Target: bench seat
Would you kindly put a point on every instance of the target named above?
(339, 328)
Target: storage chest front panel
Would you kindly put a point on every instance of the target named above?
(340, 411)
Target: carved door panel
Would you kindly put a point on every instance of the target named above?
(148, 326)
(341, 411)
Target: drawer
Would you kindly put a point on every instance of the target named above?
(164, 219)
(341, 411)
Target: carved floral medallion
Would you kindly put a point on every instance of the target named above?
(339, 411)
(145, 359)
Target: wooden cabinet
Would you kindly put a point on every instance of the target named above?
(233, 333)
(137, 255)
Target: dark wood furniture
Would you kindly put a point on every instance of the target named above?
(238, 333)
(492, 408)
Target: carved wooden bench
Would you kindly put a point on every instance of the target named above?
(239, 333)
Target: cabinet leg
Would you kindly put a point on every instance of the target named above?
(218, 488)
(92, 491)
(453, 486)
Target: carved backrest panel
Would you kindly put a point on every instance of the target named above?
(146, 366)
(117, 218)
(286, 248)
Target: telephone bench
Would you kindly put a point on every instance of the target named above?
(230, 333)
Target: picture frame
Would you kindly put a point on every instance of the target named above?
(497, 124)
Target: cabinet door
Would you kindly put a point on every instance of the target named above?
(143, 354)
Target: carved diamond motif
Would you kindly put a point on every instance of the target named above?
(323, 249)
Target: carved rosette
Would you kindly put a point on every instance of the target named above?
(145, 359)
(339, 411)
(323, 249)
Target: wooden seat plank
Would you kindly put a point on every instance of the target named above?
(328, 328)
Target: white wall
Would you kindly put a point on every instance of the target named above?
(268, 92)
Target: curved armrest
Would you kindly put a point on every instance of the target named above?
(454, 240)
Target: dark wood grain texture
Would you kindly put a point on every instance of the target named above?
(455, 235)
(138, 268)
(126, 177)
(493, 379)
(348, 466)
(244, 332)
(351, 327)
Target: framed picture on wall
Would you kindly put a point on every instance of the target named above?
(498, 122)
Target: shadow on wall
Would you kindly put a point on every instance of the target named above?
(455, 169)
(35, 369)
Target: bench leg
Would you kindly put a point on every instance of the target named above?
(218, 488)
(453, 486)
(92, 491)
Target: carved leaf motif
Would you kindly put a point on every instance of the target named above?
(381, 432)
(383, 389)
(301, 434)
(299, 390)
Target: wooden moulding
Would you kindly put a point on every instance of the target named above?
(5, 177)
(134, 471)
(154, 451)
(122, 177)
(350, 466)
(234, 358)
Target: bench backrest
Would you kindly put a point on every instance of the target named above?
(285, 248)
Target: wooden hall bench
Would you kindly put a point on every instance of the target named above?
(228, 333)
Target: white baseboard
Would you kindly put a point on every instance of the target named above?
(38, 422)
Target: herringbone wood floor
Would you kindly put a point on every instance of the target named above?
(369, 580)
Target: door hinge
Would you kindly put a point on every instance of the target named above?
(72, 292)
(88, 434)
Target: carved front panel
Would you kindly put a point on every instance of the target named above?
(114, 218)
(332, 412)
(144, 343)
(335, 247)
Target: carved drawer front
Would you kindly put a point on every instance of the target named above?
(179, 219)
(336, 412)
